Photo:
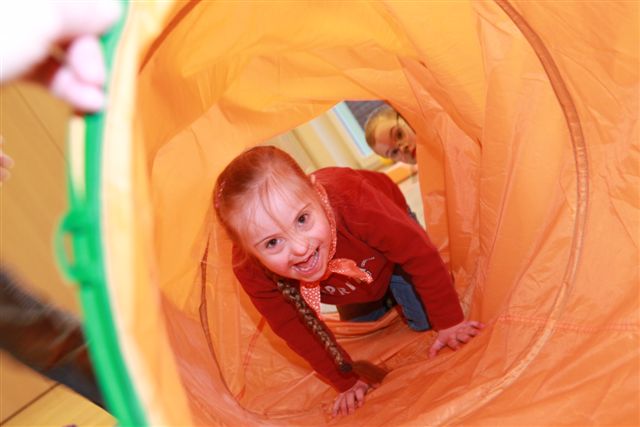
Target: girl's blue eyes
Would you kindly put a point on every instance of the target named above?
(303, 218)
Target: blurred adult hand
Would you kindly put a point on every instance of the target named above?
(56, 44)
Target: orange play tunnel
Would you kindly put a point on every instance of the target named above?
(527, 117)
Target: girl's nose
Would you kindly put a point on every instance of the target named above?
(298, 245)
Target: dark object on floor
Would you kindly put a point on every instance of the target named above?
(45, 338)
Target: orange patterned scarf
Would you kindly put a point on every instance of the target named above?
(347, 267)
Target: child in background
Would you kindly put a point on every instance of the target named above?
(339, 236)
(390, 136)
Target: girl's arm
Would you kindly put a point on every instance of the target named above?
(379, 221)
(391, 231)
(286, 323)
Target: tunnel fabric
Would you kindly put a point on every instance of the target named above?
(538, 227)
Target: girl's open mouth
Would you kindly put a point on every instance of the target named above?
(310, 265)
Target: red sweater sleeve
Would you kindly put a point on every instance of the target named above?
(286, 323)
(375, 216)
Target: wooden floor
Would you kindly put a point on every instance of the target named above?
(31, 204)
(58, 406)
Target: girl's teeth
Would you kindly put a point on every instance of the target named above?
(309, 263)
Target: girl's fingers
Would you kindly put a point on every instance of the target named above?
(456, 336)
(475, 324)
(453, 343)
(351, 404)
(463, 337)
(436, 347)
(360, 397)
(343, 407)
(336, 406)
(347, 402)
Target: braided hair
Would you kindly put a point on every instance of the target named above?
(369, 372)
(292, 294)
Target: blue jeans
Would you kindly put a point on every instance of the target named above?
(406, 296)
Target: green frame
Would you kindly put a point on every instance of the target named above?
(82, 226)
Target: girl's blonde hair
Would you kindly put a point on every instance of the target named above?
(251, 178)
(385, 111)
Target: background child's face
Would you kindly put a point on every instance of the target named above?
(290, 236)
(395, 140)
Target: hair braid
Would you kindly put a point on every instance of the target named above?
(311, 321)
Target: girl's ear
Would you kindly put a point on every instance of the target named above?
(313, 179)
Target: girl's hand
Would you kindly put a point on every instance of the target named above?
(455, 336)
(347, 401)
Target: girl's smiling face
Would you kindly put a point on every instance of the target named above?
(394, 139)
(289, 234)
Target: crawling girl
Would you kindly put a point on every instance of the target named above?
(339, 236)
